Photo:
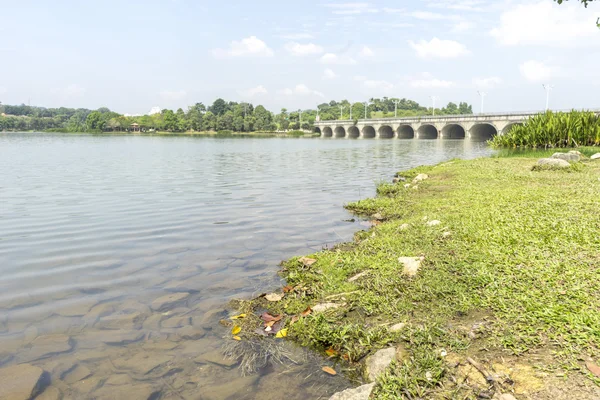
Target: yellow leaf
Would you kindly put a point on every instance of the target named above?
(282, 333)
(236, 329)
(238, 316)
(329, 370)
(237, 338)
(330, 352)
(274, 297)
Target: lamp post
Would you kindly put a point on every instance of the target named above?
(433, 99)
(482, 95)
(366, 106)
(547, 87)
(341, 112)
(396, 108)
(350, 111)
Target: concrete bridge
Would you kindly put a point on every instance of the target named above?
(471, 126)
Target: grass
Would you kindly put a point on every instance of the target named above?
(510, 277)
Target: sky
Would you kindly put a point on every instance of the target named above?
(132, 55)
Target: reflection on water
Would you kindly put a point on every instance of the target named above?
(118, 254)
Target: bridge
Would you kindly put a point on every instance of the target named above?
(470, 126)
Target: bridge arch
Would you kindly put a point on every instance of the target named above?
(453, 131)
(427, 132)
(386, 132)
(339, 132)
(482, 131)
(508, 127)
(316, 129)
(327, 132)
(368, 132)
(405, 132)
(353, 132)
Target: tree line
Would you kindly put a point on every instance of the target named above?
(221, 115)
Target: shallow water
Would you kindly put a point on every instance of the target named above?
(93, 230)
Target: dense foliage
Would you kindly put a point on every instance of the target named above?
(220, 116)
(550, 129)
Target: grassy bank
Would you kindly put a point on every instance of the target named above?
(510, 279)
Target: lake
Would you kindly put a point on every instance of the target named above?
(119, 254)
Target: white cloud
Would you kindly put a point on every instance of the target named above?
(255, 91)
(374, 85)
(3, 90)
(546, 23)
(536, 71)
(462, 26)
(250, 46)
(487, 83)
(427, 81)
(462, 5)
(299, 50)
(437, 48)
(331, 58)
(329, 74)
(351, 8)
(427, 15)
(301, 90)
(366, 52)
(297, 36)
(173, 94)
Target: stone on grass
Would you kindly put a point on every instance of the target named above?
(404, 227)
(572, 157)
(378, 362)
(595, 157)
(433, 222)
(420, 177)
(411, 265)
(325, 306)
(406, 185)
(167, 301)
(397, 327)
(21, 382)
(378, 217)
(553, 163)
(360, 393)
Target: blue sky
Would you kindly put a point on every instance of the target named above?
(131, 56)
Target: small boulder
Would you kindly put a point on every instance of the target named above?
(406, 185)
(420, 177)
(378, 217)
(378, 362)
(411, 265)
(21, 382)
(505, 396)
(325, 306)
(360, 393)
(553, 163)
(404, 227)
(571, 157)
(433, 222)
(397, 327)
(595, 157)
(169, 300)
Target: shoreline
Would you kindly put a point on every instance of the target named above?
(441, 278)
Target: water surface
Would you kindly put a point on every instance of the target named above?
(94, 229)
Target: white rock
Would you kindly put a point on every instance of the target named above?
(570, 156)
(446, 234)
(433, 222)
(411, 265)
(420, 177)
(325, 306)
(406, 185)
(378, 362)
(360, 393)
(554, 162)
(397, 327)
(595, 157)
(404, 227)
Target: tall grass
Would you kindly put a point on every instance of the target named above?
(550, 129)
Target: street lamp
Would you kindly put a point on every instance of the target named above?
(547, 87)
(341, 112)
(366, 106)
(433, 99)
(396, 108)
(482, 95)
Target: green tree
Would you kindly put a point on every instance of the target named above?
(264, 119)
(170, 120)
(225, 122)
(94, 121)
(209, 122)
(219, 107)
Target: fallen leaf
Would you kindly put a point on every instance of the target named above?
(307, 262)
(270, 323)
(329, 370)
(237, 338)
(282, 333)
(294, 319)
(306, 312)
(268, 317)
(287, 289)
(346, 357)
(594, 369)
(238, 316)
(268, 329)
(274, 297)
(330, 352)
(236, 329)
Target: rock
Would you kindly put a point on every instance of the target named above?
(404, 227)
(129, 321)
(216, 357)
(411, 265)
(360, 393)
(406, 185)
(51, 393)
(553, 163)
(325, 306)
(210, 318)
(505, 396)
(22, 382)
(99, 311)
(127, 392)
(176, 322)
(77, 308)
(190, 332)
(433, 222)
(169, 300)
(141, 363)
(236, 388)
(357, 276)
(46, 346)
(446, 234)
(595, 157)
(86, 386)
(120, 338)
(397, 327)
(79, 372)
(572, 157)
(152, 323)
(378, 362)
(420, 177)
(378, 217)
